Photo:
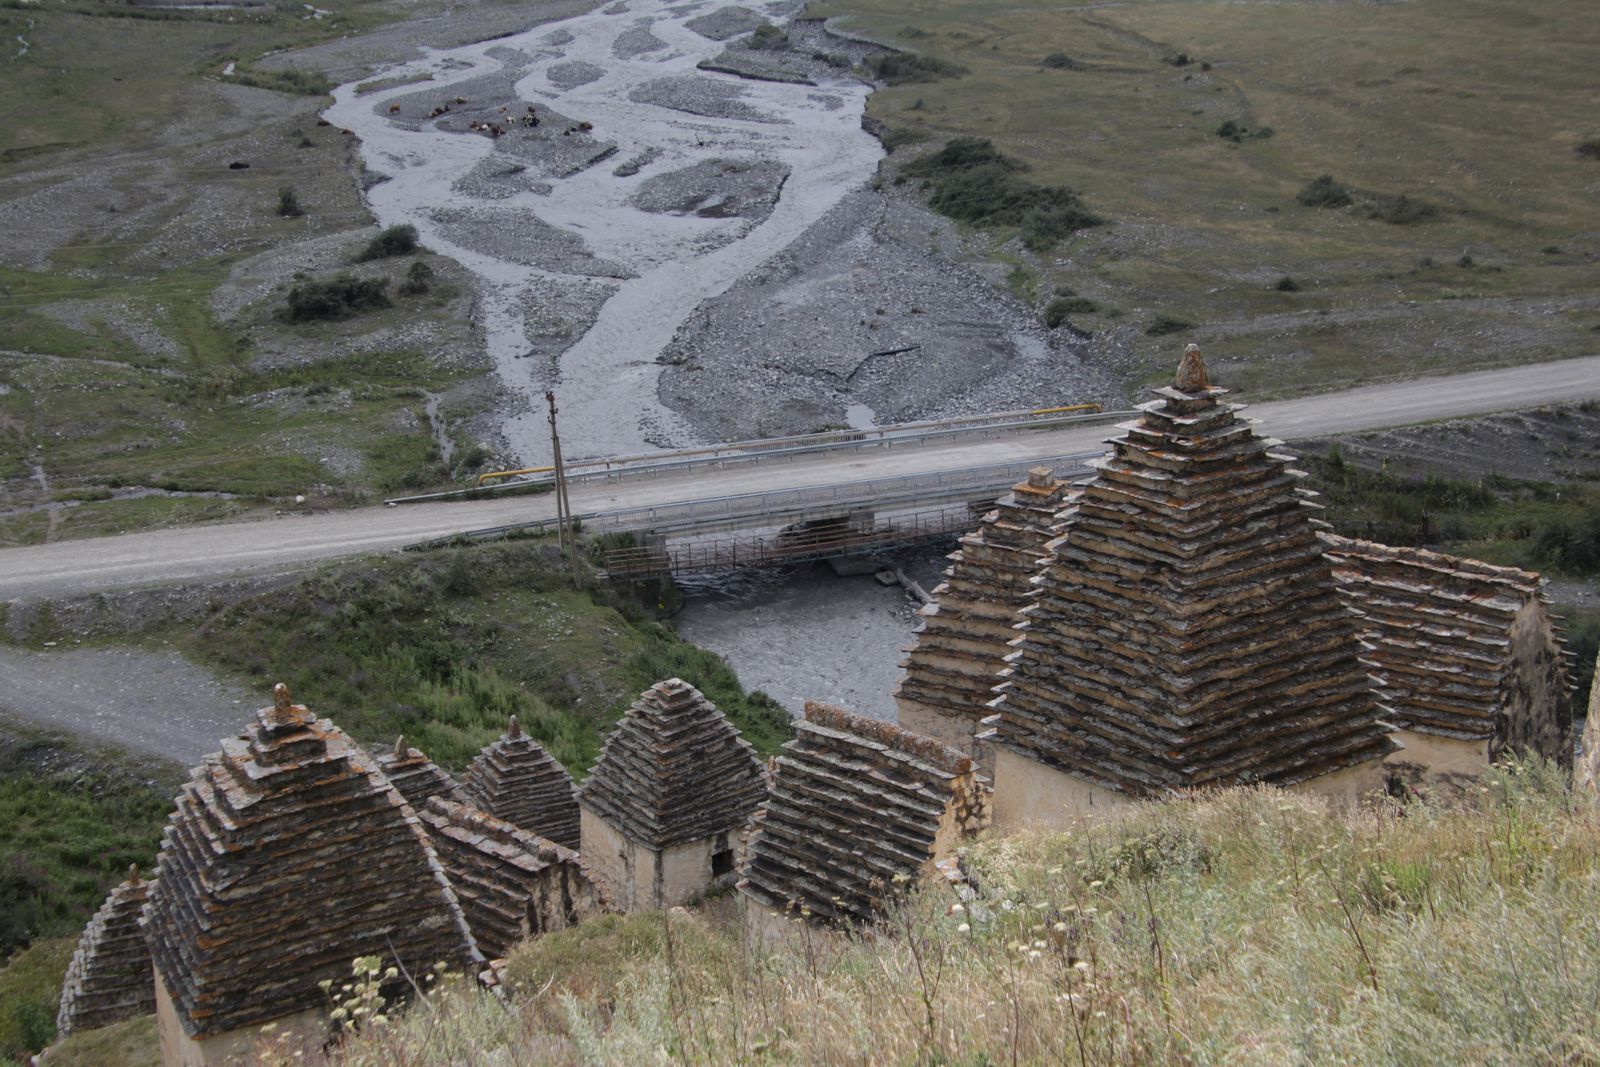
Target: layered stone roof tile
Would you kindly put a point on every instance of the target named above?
(515, 779)
(289, 855)
(674, 770)
(1462, 649)
(1186, 629)
(512, 884)
(416, 776)
(965, 634)
(858, 807)
(109, 976)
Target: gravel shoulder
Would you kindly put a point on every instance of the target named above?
(152, 703)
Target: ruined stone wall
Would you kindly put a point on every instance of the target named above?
(960, 646)
(858, 810)
(1462, 650)
(109, 976)
(511, 884)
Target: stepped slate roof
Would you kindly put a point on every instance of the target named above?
(512, 885)
(1186, 629)
(965, 634)
(288, 856)
(857, 807)
(674, 770)
(109, 976)
(416, 776)
(1462, 649)
(515, 779)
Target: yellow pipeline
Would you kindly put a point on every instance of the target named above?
(512, 474)
(1063, 410)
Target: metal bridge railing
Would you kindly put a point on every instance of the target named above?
(787, 505)
(703, 556)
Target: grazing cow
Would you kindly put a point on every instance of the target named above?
(461, 100)
(394, 109)
(324, 122)
(585, 127)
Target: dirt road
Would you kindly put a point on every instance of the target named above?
(197, 553)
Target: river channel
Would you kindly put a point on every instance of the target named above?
(585, 269)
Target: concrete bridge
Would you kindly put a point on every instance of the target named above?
(726, 489)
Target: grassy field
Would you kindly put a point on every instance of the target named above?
(1473, 108)
(1248, 927)
(121, 383)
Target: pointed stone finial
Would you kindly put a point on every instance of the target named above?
(513, 728)
(1191, 376)
(280, 697)
(1040, 477)
(400, 749)
(133, 873)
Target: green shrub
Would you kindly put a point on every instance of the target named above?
(1060, 61)
(294, 82)
(1056, 312)
(288, 203)
(1324, 192)
(1287, 284)
(970, 180)
(1237, 132)
(1163, 325)
(901, 68)
(1176, 59)
(419, 279)
(1589, 149)
(392, 241)
(768, 38)
(1400, 210)
(339, 298)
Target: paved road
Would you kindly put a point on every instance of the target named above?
(73, 568)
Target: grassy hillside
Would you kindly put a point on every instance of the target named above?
(1191, 127)
(1248, 926)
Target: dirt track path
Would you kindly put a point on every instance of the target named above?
(153, 703)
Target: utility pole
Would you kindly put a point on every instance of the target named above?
(567, 539)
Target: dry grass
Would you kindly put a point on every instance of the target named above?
(1250, 926)
(1473, 106)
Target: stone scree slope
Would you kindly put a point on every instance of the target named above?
(109, 976)
(512, 885)
(674, 770)
(1186, 629)
(965, 634)
(515, 779)
(1463, 649)
(857, 807)
(418, 778)
(288, 856)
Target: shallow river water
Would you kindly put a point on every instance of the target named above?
(804, 633)
(606, 379)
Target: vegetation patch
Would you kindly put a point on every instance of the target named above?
(72, 819)
(337, 298)
(1238, 132)
(30, 993)
(905, 68)
(970, 180)
(283, 80)
(1324, 192)
(1164, 325)
(1180, 933)
(391, 241)
(445, 646)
